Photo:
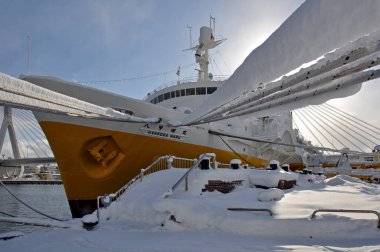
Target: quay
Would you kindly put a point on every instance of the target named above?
(32, 182)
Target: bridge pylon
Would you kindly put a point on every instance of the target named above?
(7, 124)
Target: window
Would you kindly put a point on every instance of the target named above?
(155, 100)
(190, 91)
(211, 90)
(177, 93)
(183, 92)
(172, 94)
(201, 91)
(160, 98)
(166, 96)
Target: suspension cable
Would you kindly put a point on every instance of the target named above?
(341, 111)
(296, 114)
(334, 130)
(224, 62)
(37, 139)
(34, 140)
(346, 117)
(299, 113)
(35, 125)
(26, 138)
(34, 131)
(317, 109)
(339, 127)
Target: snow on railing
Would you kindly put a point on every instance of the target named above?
(23, 94)
(186, 175)
(347, 211)
(162, 163)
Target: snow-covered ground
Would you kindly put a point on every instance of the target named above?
(144, 220)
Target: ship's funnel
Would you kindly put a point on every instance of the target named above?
(206, 38)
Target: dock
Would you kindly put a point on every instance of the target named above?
(32, 182)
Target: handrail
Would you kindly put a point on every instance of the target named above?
(251, 210)
(148, 170)
(174, 187)
(184, 81)
(348, 211)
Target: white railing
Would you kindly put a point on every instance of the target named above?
(186, 175)
(184, 81)
(162, 163)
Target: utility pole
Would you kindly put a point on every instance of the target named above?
(28, 54)
(189, 27)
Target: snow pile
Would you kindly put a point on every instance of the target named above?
(272, 194)
(328, 24)
(341, 180)
(270, 178)
(197, 210)
(10, 235)
(196, 221)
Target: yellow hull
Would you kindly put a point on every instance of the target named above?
(96, 161)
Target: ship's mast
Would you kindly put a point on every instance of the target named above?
(206, 41)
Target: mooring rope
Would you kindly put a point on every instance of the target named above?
(237, 154)
(28, 206)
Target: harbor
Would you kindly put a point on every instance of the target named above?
(31, 182)
(130, 139)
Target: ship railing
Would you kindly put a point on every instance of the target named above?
(185, 81)
(162, 163)
(184, 178)
(223, 165)
(347, 211)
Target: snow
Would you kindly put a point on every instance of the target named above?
(9, 235)
(199, 221)
(328, 24)
(25, 94)
(271, 194)
(270, 178)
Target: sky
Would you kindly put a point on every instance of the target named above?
(114, 40)
(132, 46)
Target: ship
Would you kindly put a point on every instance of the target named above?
(250, 111)
(97, 157)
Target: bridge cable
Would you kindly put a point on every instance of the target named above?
(37, 140)
(299, 114)
(36, 131)
(334, 130)
(357, 120)
(339, 127)
(29, 116)
(362, 125)
(21, 124)
(317, 108)
(16, 130)
(303, 138)
(26, 138)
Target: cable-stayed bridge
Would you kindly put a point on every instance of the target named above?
(24, 132)
(328, 126)
(25, 143)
